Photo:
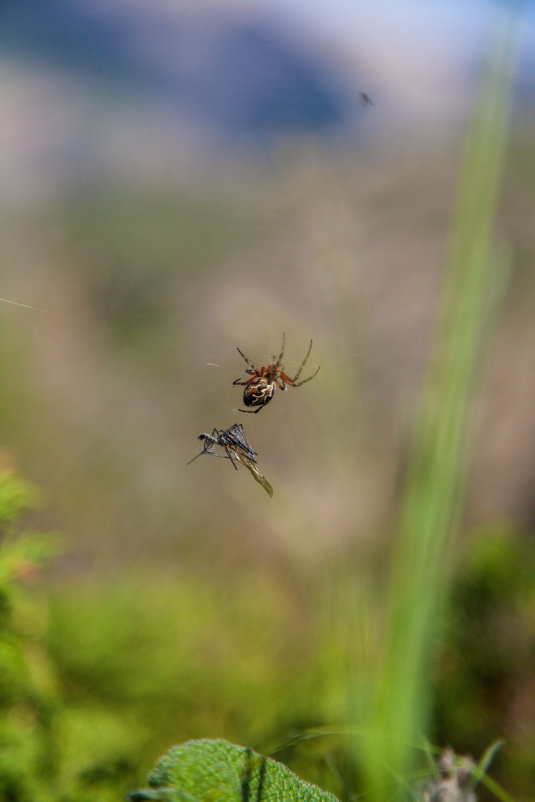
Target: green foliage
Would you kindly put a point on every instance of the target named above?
(16, 497)
(484, 675)
(217, 770)
(183, 657)
(99, 677)
(48, 751)
(26, 698)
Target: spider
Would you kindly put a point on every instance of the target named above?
(260, 388)
(233, 440)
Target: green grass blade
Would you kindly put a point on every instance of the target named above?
(436, 481)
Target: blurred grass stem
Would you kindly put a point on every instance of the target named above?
(433, 497)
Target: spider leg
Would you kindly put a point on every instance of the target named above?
(279, 360)
(303, 362)
(304, 381)
(294, 381)
(247, 360)
(251, 411)
(247, 381)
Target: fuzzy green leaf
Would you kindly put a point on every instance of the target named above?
(218, 771)
(16, 497)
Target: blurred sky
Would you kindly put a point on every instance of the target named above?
(446, 29)
(448, 24)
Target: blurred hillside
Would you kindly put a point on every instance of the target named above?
(147, 266)
(165, 91)
(148, 292)
(90, 88)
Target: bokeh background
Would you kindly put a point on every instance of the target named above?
(179, 179)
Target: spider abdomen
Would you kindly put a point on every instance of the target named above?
(258, 393)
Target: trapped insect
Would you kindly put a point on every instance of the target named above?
(237, 449)
(233, 440)
(260, 388)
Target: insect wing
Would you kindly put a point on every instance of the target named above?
(237, 435)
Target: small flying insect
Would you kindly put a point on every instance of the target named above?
(365, 99)
(233, 440)
(260, 388)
